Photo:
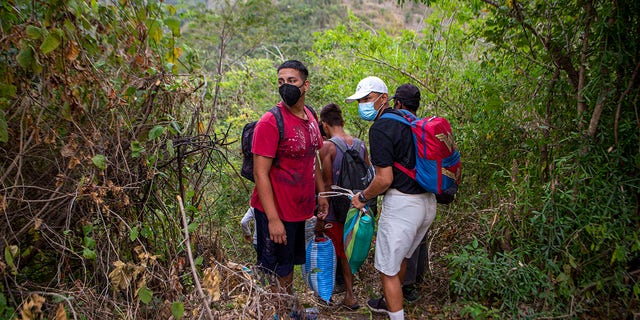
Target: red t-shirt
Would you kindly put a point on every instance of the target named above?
(293, 178)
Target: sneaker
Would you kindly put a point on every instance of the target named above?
(410, 294)
(378, 305)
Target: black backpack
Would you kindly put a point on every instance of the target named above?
(247, 140)
(354, 174)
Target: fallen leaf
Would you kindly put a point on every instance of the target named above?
(61, 313)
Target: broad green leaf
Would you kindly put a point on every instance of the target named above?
(25, 57)
(34, 32)
(198, 260)
(87, 229)
(69, 26)
(177, 310)
(89, 242)
(145, 294)
(136, 149)
(155, 31)
(4, 132)
(89, 254)
(50, 43)
(9, 253)
(100, 161)
(192, 226)
(146, 232)
(133, 234)
(173, 24)
(156, 132)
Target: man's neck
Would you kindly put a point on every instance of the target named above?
(298, 109)
(337, 132)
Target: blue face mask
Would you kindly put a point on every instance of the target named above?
(367, 110)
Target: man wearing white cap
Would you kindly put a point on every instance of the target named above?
(407, 209)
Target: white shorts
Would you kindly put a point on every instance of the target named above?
(404, 220)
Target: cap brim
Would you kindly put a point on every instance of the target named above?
(356, 96)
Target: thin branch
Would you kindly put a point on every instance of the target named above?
(367, 57)
(194, 272)
(582, 105)
(624, 94)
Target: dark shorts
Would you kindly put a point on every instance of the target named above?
(279, 258)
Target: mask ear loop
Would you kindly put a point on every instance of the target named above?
(374, 105)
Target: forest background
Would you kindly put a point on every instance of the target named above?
(119, 150)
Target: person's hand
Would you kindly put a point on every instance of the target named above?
(323, 208)
(355, 202)
(277, 232)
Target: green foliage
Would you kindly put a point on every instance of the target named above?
(177, 310)
(505, 278)
(6, 311)
(104, 119)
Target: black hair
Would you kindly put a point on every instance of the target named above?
(409, 106)
(297, 65)
(332, 115)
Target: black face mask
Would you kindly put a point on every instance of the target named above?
(290, 94)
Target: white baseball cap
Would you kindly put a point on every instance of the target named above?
(366, 86)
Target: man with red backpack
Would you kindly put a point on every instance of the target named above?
(407, 209)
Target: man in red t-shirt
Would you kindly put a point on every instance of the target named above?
(287, 177)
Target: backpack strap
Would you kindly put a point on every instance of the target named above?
(279, 121)
(341, 145)
(396, 117)
(405, 119)
(313, 112)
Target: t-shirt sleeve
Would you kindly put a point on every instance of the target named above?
(266, 136)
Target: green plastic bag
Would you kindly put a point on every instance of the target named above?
(358, 232)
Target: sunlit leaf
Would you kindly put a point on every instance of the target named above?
(173, 24)
(145, 294)
(133, 234)
(89, 254)
(89, 242)
(156, 132)
(34, 32)
(100, 161)
(136, 149)
(9, 253)
(155, 31)
(177, 310)
(50, 43)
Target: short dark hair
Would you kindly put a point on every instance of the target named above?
(332, 115)
(409, 96)
(297, 65)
